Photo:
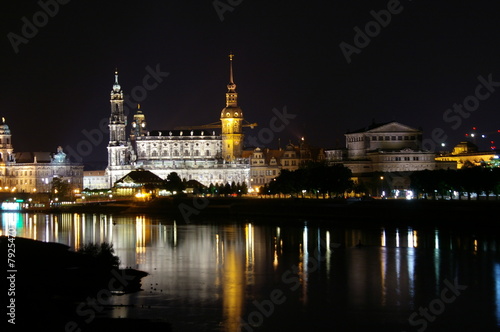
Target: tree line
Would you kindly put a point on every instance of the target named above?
(315, 178)
(441, 183)
(174, 183)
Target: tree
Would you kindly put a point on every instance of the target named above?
(60, 189)
(103, 254)
(174, 183)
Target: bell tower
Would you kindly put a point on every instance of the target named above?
(231, 120)
(5, 142)
(117, 146)
(138, 123)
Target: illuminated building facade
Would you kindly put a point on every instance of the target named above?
(195, 153)
(33, 172)
(266, 164)
(466, 154)
(387, 147)
(383, 156)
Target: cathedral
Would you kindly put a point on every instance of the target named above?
(208, 154)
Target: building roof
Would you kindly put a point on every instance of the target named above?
(184, 132)
(140, 177)
(392, 126)
(31, 157)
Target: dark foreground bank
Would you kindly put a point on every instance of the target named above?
(56, 289)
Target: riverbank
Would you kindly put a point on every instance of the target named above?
(387, 212)
(62, 290)
(341, 212)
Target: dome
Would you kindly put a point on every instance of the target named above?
(231, 112)
(4, 129)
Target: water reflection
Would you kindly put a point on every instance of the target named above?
(208, 277)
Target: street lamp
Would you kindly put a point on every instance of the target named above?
(381, 186)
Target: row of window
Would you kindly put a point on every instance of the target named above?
(175, 144)
(42, 173)
(383, 138)
(175, 153)
(415, 158)
(393, 138)
(267, 172)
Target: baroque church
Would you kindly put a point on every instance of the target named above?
(207, 154)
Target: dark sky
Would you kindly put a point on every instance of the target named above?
(287, 54)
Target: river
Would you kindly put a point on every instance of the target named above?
(262, 275)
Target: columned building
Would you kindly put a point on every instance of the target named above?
(385, 154)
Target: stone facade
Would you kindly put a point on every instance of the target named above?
(33, 172)
(207, 154)
(387, 147)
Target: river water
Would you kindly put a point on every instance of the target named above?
(261, 275)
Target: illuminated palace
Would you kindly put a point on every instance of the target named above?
(194, 153)
(34, 171)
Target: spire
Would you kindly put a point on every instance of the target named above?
(116, 86)
(231, 87)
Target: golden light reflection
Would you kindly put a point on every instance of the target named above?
(383, 240)
(277, 246)
(475, 245)
(383, 275)
(140, 240)
(249, 253)
(233, 284)
(77, 234)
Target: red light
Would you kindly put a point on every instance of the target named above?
(473, 128)
(498, 131)
(466, 134)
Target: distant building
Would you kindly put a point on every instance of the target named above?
(266, 164)
(33, 172)
(466, 154)
(386, 147)
(95, 180)
(138, 182)
(392, 149)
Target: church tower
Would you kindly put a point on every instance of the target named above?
(139, 123)
(5, 142)
(117, 146)
(231, 120)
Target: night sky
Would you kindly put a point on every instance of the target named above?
(287, 54)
